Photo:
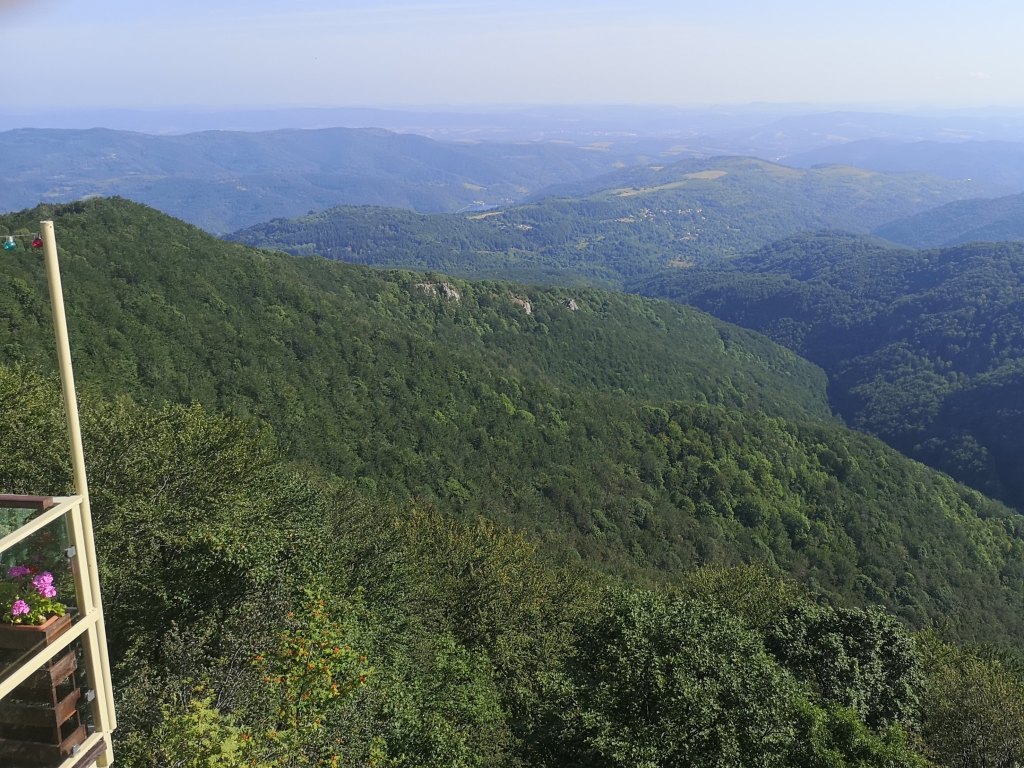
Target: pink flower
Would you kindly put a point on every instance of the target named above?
(44, 584)
(20, 608)
(17, 571)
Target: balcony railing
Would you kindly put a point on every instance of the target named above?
(56, 706)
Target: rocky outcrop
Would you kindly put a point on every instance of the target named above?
(526, 305)
(571, 305)
(445, 290)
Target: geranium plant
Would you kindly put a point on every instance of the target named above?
(27, 596)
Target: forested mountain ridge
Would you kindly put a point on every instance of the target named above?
(637, 436)
(923, 348)
(224, 180)
(640, 434)
(618, 226)
(581, 337)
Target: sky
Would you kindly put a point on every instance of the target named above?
(263, 53)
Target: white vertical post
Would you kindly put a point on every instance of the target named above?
(67, 379)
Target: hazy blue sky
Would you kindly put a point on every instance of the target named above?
(144, 53)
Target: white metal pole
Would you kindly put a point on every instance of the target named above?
(67, 376)
(67, 379)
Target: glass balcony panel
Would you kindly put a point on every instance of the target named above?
(35, 579)
(16, 511)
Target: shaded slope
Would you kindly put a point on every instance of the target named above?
(922, 348)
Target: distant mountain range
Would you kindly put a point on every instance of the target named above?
(996, 166)
(766, 130)
(619, 225)
(222, 181)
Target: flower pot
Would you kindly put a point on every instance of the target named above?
(22, 637)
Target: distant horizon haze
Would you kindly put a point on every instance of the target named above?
(117, 54)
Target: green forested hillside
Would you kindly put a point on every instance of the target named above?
(618, 226)
(639, 434)
(261, 617)
(482, 530)
(923, 348)
(169, 311)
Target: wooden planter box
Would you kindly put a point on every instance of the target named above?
(39, 721)
(24, 637)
